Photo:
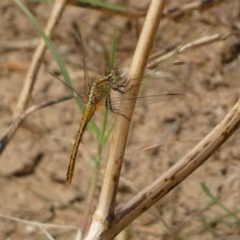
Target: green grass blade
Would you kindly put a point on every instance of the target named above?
(114, 44)
(104, 125)
(105, 139)
(92, 126)
(216, 201)
(104, 4)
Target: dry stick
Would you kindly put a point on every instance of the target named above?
(178, 12)
(183, 168)
(31, 76)
(33, 223)
(24, 44)
(104, 214)
(171, 13)
(198, 43)
(125, 13)
(48, 103)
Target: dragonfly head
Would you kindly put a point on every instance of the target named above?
(112, 74)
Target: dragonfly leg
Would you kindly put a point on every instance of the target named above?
(108, 105)
(119, 87)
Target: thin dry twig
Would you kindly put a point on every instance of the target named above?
(104, 214)
(24, 44)
(34, 223)
(31, 76)
(42, 226)
(158, 57)
(184, 9)
(48, 103)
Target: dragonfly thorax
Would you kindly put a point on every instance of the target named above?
(101, 88)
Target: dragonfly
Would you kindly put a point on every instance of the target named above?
(99, 92)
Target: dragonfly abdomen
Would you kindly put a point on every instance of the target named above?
(87, 115)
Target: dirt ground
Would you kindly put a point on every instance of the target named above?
(33, 165)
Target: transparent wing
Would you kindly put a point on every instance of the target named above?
(87, 82)
(157, 86)
(82, 96)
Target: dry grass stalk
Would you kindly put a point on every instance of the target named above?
(104, 214)
(31, 76)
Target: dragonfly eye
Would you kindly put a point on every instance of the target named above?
(107, 71)
(115, 71)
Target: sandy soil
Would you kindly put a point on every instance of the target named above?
(33, 166)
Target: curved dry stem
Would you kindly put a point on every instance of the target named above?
(182, 169)
(104, 214)
(31, 76)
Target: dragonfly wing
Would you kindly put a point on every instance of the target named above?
(78, 94)
(87, 81)
(157, 86)
(142, 100)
